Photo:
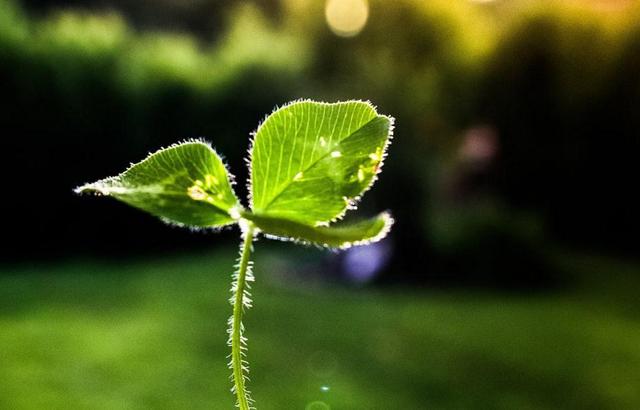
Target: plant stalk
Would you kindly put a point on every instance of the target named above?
(240, 300)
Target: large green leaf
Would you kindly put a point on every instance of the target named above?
(185, 184)
(310, 161)
(342, 235)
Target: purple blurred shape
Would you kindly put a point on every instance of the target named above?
(361, 263)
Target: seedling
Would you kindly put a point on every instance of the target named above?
(310, 162)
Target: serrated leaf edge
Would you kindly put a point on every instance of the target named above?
(201, 141)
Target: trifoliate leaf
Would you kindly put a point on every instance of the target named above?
(310, 161)
(342, 235)
(185, 184)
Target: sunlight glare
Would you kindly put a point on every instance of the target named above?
(347, 18)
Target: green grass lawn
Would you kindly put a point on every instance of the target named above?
(151, 335)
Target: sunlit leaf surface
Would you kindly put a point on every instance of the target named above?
(342, 235)
(185, 184)
(310, 161)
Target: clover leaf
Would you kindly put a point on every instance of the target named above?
(310, 163)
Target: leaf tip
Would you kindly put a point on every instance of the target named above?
(387, 224)
(89, 188)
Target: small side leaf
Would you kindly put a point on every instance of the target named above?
(185, 184)
(343, 235)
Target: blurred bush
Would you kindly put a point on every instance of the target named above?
(559, 89)
(85, 94)
(556, 86)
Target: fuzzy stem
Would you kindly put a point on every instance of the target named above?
(240, 300)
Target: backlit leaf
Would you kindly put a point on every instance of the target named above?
(342, 235)
(310, 161)
(185, 184)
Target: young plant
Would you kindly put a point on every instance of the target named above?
(309, 161)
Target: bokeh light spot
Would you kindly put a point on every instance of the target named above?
(361, 264)
(347, 18)
(317, 405)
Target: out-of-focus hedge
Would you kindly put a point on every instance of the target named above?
(558, 87)
(83, 95)
(555, 84)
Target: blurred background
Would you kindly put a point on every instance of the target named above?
(511, 277)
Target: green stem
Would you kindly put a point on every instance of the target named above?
(240, 301)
